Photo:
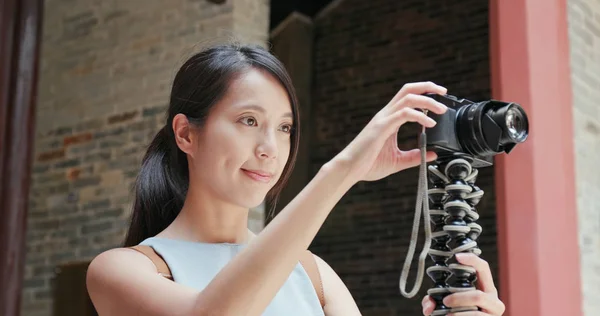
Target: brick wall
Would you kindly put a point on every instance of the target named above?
(364, 52)
(106, 70)
(80, 198)
(251, 20)
(584, 36)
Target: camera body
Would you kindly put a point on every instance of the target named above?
(477, 130)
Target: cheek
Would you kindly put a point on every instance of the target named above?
(284, 154)
(223, 149)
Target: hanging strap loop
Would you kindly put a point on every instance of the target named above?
(422, 204)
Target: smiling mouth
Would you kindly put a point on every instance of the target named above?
(257, 177)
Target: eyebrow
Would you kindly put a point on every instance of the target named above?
(262, 110)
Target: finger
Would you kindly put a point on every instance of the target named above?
(415, 155)
(431, 156)
(486, 301)
(428, 305)
(412, 158)
(409, 115)
(420, 102)
(484, 274)
(418, 88)
(469, 314)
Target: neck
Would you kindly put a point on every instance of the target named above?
(207, 219)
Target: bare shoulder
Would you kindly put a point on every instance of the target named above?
(115, 266)
(338, 299)
(123, 281)
(114, 260)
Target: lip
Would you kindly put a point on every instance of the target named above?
(258, 175)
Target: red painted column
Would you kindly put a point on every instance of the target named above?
(535, 185)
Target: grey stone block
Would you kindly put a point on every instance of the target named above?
(97, 205)
(85, 182)
(67, 163)
(96, 227)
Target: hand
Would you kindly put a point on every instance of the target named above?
(374, 153)
(486, 297)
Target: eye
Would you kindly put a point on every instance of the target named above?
(248, 120)
(287, 128)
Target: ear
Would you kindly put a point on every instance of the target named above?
(183, 134)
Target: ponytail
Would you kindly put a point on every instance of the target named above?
(160, 188)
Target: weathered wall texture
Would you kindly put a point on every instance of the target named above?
(106, 70)
(584, 36)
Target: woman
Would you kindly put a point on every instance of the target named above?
(230, 141)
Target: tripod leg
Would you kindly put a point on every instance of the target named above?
(453, 216)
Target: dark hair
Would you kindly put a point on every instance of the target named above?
(163, 180)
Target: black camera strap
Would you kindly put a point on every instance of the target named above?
(422, 204)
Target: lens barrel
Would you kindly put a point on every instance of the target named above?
(514, 122)
(490, 127)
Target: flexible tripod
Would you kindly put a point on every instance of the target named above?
(448, 206)
(469, 135)
(453, 196)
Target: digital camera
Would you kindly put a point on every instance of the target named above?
(480, 130)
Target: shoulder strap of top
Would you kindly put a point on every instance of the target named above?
(161, 265)
(307, 260)
(309, 263)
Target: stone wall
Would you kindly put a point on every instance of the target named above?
(106, 70)
(364, 52)
(584, 36)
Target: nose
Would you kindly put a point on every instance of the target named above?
(267, 146)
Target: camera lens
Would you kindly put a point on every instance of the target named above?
(512, 120)
(490, 127)
(515, 124)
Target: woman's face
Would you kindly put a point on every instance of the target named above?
(245, 143)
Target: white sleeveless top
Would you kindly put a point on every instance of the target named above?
(196, 264)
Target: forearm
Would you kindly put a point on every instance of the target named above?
(247, 284)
